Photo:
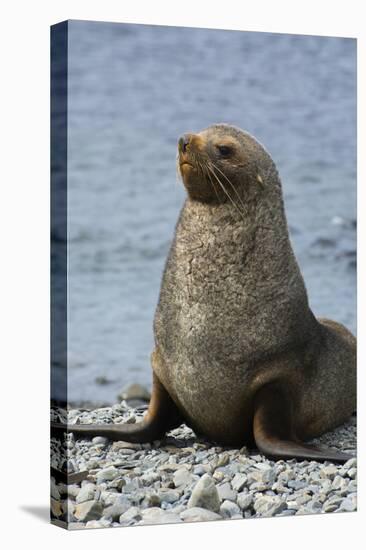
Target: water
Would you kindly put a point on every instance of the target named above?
(133, 90)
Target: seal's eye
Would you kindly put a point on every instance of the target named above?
(224, 150)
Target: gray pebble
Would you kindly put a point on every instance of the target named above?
(218, 476)
(107, 474)
(168, 495)
(239, 481)
(127, 479)
(55, 493)
(349, 504)
(262, 476)
(351, 463)
(120, 506)
(328, 472)
(99, 440)
(205, 495)
(201, 469)
(229, 509)
(226, 492)
(152, 516)
(245, 500)
(98, 524)
(182, 477)
(132, 485)
(268, 506)
(133, 514)
(87, 492)
(89, 510)
(199, 514)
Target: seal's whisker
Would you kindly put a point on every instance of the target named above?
(226, 192)
(232, 185)
(206, 173)
(214, 186)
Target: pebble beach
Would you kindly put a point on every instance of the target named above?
(183, 478)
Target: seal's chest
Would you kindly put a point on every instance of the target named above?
(212, 398)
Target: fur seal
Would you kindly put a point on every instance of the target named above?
(239, 355)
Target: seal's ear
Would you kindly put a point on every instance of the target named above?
(273, 429)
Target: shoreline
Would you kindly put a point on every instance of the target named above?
(185, 478)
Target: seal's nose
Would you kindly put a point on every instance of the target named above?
(184, 141)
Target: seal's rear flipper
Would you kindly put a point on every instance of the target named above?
(273, 430)
(161, 416)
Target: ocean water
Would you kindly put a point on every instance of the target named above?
(132, 91)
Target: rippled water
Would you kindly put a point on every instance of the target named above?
(133, 90)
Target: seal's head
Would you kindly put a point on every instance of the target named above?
(222, 162)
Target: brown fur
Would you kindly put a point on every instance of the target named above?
(239, 355)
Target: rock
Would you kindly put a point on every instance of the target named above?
(223, 460)
(108, 498)
(205, 495)
(245, 500)
(314, 506)
(328, 472)
(352, 486)
(268, 506)
(87, 492)
(168, 495)
(107, 474)
(55, 493)
(302, 499)
(199, 514)
(226, 492)
(98, 440)
(229, 509)
(88, 510)
(119, 507)
(287, 512)
(201, 469)
(152, 516)
(134, 392)
(239, 481)
(262, 476)
(338, 483)
(182, 477)
(149, 478)
(218, 476)
(120, 445)
(126, 480)
(152, 500)
(285, 476)
(349, 504)
(172, 467)
(132, 515)
(230, 469)
(56, 508)
(296, 484)
(98, 524)
(68, 508)
(351, 463)
(132, 485)
(73, 490)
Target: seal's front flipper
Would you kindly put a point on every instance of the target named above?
(273, 430)
(162, 415)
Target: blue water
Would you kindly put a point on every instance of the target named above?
(133, 90)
